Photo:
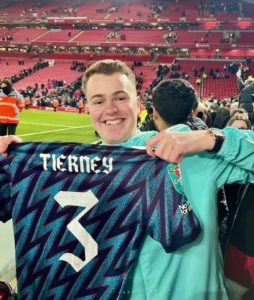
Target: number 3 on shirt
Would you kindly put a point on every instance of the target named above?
(87, 200)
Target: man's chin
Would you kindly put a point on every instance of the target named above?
(114, 140)
(112, 137)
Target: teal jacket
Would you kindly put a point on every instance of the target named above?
(195, 272)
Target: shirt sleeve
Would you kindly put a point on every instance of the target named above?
(238, 148)
(233, 163)
(5, 191)
(169, 217)
(19, 97)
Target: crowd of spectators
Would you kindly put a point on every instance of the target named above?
(171, 37)
(158, 7)
(215, 73)
(66, 95)
(78, 66)
(7, 38)
(214, 7)
(71, 94)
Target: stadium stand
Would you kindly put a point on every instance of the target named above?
(151, 32)
(157, 39)
(59, 71)
(10, 66)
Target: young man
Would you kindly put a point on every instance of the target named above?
(112, 103)
(175, 102)
(194, 272)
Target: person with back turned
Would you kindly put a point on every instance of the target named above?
(11, 104)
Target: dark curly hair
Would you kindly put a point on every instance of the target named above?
(174, 99)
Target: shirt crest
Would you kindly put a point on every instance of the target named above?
(175, 175)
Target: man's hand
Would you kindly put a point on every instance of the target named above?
(5, 141)
(171, 146)
(239, 73)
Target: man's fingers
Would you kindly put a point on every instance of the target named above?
(176, 156)
(165, 146)
(163, 149)
(150, 145)
(6, 140)
(14, 138)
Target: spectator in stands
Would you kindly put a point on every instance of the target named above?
(80, 105)
(221, 118)
(201, 112)
(148, 124)
(217, 74)
(239, 122)
(202, 69)
(238, 266)
(11, 104)
(239, 253)
(195, 71)
(27, 103)
(110, 90)
(49, 84)
(55, 104)
(246, 98)
(233, 107)
(198, 81)
(241, 112)
(204, 75)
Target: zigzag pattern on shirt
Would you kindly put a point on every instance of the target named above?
(129, 206)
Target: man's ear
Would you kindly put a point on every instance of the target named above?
(155, 113)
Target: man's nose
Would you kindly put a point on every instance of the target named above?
(110, 107)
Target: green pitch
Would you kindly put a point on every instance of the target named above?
(40, 125)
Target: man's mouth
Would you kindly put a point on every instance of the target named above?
(113, 122)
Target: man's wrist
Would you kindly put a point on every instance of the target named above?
(216, 141)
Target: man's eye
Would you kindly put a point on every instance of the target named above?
(97, 102)
(121, 98)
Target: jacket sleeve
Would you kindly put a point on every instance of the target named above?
(20, 100)
(233, 163)
(240, 83)
(238, 148)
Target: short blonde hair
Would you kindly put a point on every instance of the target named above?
(249, 80)
(107, 67)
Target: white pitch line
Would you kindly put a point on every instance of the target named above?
(49, 131)
(45, 124)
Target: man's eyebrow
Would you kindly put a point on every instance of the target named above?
(119, 92)
(96, 96)
(101, 95)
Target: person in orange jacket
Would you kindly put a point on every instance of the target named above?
(55, 104)
(27, 103)
(11, 104)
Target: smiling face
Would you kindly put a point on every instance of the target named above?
(112, 104)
